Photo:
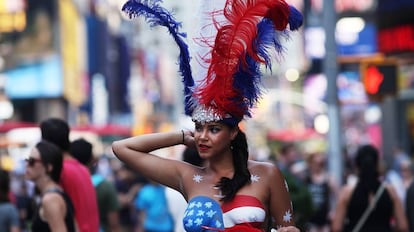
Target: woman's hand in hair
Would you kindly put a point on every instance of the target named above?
(188, 139)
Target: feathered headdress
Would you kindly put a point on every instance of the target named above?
(241, 35)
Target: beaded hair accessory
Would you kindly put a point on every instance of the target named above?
(235, 38)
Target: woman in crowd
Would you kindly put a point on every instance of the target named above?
(322, 188)
(354, 200)
(55, 210)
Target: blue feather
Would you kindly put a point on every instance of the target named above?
(247, 81)
(295, 19)
(267, 38)
(156, 15)
(248, 77)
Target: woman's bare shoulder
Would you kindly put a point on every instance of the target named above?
(346, 192)
(253, 164)
(52, 200)
(264, 168)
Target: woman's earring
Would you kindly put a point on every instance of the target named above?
(231, 147)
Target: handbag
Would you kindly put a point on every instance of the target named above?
(369, 209)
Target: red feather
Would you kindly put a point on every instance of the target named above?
(233, 41)
(279, 15)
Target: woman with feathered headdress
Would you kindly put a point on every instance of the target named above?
(221, 76)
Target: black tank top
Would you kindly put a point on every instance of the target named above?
(379, 219)
(38, 225)
(320, 200)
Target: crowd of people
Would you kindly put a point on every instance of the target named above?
(127, 198)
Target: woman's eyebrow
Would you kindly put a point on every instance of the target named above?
(214, 125)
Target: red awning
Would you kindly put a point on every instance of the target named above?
(10, 125)
(109, 129)
(290, 135)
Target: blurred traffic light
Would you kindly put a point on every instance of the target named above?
(379, 79)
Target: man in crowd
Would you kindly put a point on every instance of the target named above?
(106, 193)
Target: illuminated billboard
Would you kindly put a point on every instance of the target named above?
(42, 79)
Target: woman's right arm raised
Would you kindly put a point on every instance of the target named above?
(135, 152)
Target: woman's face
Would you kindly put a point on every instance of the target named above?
(213, 139)
(34, 165)
(317, 162)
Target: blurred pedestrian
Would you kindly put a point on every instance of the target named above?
(399, 156)
(395, 175)
(322, 188)
(9, 217)
(153, 211)
(75, 178)
(371, 204)
(55, 211)
(288, 155)
(106, 193)
(25, 202)
(127, 185)
(407, 176)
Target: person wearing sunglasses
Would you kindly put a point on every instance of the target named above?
(55, 211)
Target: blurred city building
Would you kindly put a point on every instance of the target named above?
(374, 71)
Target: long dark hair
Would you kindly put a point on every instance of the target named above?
(51, 154)
(366, 160)
(229, 187)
